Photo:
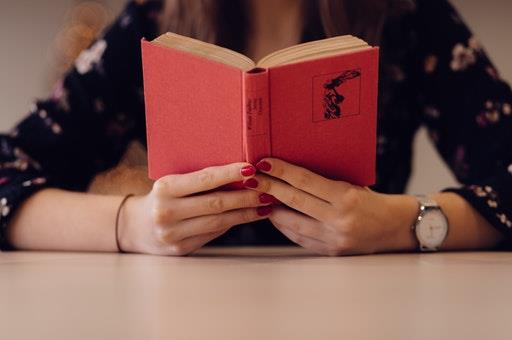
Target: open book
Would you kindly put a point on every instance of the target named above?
(312, 104)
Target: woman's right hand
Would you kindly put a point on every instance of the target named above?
(177, 217)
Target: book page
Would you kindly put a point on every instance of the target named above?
(297, 53)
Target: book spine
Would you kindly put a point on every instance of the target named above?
(256, 114)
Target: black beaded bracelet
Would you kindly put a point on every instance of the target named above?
(117, 221)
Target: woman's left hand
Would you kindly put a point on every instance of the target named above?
(334, 217)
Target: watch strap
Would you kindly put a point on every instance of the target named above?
(426, 201)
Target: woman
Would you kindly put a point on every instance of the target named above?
(433, 73)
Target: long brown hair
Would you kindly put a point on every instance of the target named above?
(224, 22)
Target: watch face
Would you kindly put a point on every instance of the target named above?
(432, 229)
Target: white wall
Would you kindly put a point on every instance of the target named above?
(28, 28)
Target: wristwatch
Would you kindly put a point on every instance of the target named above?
(431, 226)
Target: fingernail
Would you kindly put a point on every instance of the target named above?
(251, 183)
(264, 166)
(266, 198)
(276, 201)
(247, 171)
(264, 211)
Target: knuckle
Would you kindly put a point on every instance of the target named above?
(214, 222)
(337, 220)
(206, 176)
(163, 185)
(297, 200)
(215, 203)
(249, 199)
(351, 198)
(349, 226)
(247, 215)
(159, 215)
(265, 185)
(304, 179)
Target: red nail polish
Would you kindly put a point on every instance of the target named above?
(247, 171)
(264, 211)
(251, 183)
(266, 198)
(264, 166)
(275, 201)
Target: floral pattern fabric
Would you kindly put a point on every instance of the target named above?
(433, 73)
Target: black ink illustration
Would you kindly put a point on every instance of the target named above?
(332, 98)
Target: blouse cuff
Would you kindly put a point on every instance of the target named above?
(492, 200)
(13, 191)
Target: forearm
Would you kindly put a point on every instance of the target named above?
(53, 219)
(467, 228)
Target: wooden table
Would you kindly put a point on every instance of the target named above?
(255, 293)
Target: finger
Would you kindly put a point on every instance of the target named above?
(299, 223)
(191, 244)
(214, 203)
(213, 223)
(293, 197)
(305, 242)
(298, 177)
(203, 180)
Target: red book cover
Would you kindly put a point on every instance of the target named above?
(320, 114)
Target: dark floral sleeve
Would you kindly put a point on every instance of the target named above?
(85, 125)
(467, 109)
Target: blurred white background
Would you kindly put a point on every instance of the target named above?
(29, 29)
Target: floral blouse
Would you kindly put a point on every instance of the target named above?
(434, 73)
